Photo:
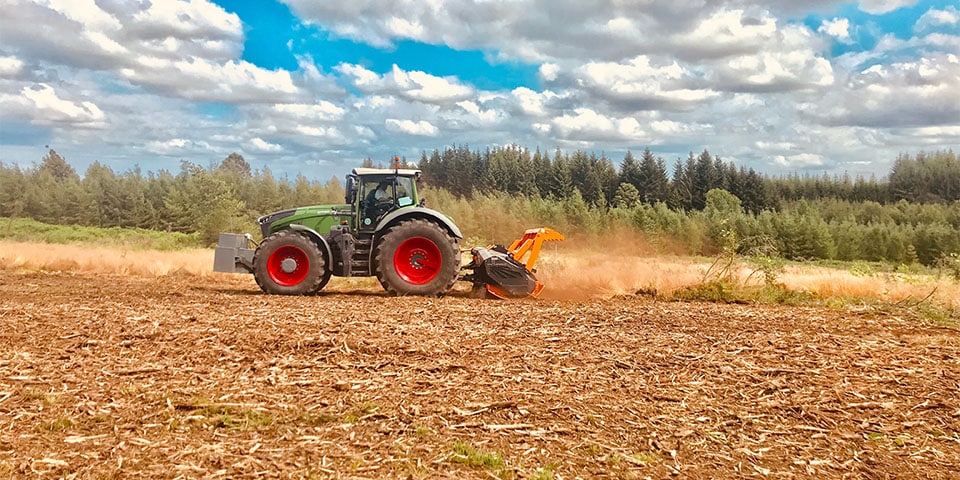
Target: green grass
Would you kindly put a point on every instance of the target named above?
(57, 425)
(28, 230)
(645, 457)
(227, 417)
(45, 398)
(493, 462)
(545, 472)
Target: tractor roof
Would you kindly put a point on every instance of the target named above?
(404, 172)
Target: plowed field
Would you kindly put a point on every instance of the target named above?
(202, 376)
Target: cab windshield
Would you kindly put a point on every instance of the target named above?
(381, 194)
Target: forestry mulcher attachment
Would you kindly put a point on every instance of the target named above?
(382, 230)
(507, 272)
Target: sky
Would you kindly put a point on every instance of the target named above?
(315, 87)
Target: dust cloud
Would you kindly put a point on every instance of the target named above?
(584, 273)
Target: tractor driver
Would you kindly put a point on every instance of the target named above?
(380, 194)
(378, 199)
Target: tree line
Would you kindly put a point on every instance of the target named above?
(923, 178)
(704, 206)
(224, 197)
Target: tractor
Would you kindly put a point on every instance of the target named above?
(382, 230)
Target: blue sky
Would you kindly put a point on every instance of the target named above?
(274, 37)
(300, 86)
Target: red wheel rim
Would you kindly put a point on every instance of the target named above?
(417, 260)
(288, 265)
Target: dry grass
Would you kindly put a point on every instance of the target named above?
(570, 272)
(85, 258)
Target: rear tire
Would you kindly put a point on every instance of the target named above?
(289, 263)
(417, 257)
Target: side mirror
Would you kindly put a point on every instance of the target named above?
(351, 189)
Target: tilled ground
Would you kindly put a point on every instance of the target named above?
(112, 376)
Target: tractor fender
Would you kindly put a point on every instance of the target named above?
(319, 239)
(419, 212)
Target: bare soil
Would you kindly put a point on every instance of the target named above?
(202, 376)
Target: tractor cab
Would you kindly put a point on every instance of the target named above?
(375, 192)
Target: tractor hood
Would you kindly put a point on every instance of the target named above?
(315, 217)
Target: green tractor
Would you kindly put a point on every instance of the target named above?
(382, 230)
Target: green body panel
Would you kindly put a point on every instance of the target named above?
(318, 218)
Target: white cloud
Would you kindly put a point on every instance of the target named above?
(638, 81)
(904, 94)
(838, 28)
(531, 102)
(410, 127)
(182, 48)
(258, 144)
(588, 125)
(788, 62)
(729, 31)
(934, 18)
(320, 111)
(84, 12)
(548, 71)
(50, 109)
(936, 132)
(167, 147)
(414, 85)
(800, 160)
(311, 131)
(374, 102)
(485, 116)
(187, 19)
(200, 79)
(403, 28)
(363, 132)
(878, 7)
(666, 127)
(10, 66)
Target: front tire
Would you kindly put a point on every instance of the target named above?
(289, 263)
(417, 257)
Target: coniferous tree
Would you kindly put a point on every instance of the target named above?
(561, 181)
(630, 171)
(682, 187)
(13, 188)
(57, 167)
(705, 178)
(654, 185)
(542, 170)
(926, 178)
(527, 174)
(627, 196)
(607, 178)
(102, 188)
(236, 164)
